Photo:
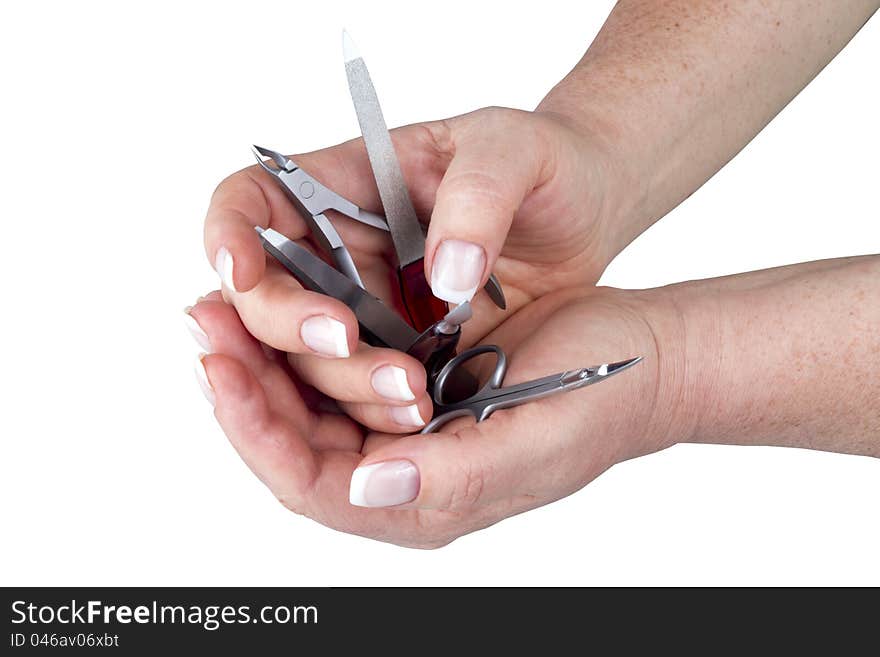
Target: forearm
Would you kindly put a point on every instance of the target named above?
(678, 87)
(788, 356)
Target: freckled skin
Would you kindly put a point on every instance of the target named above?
(784, 367)
(679, 87)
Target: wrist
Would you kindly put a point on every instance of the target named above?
(660, 403)
(601, 142)
(686, 343)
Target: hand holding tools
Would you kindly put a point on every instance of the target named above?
(430, 331)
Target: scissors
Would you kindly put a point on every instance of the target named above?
(492, 396)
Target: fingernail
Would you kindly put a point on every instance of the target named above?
(406, 416)
(384, 484)
(325, 335)
(202, 377)
(457, 271)
(390, 382)
(224, 265)
(198, 334)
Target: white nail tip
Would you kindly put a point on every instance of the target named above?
(349, 50)
(390, 381)
(339, 337)
(452, 295)
(401, 385)
(225, 265)
(202, 377)
(388, 483)
(406, 416)
(457, 271)
(325, 335)
(198, 334)
(357, 490)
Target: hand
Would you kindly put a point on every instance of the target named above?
(518, 193)
(469, 475)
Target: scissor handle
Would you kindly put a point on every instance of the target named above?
(494, 381)
(474, 404)
(444, 418)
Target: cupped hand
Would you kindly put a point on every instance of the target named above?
(424, 491)
(522, 194)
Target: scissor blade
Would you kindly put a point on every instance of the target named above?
(316, 275)
(568, 380)
(590, 375)
(495, 292)
(283, 163)
(406, 231)
(619, 366)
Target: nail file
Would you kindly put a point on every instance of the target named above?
(406, 231)
(422, 307)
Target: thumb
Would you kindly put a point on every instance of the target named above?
(497, 160)
(443, 471)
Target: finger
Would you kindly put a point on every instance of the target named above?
(390, 419)
(251, 197)
(239, 203)
(452, 472)
(376, 441)
(345, 168)
(305, 481)
(271, 447)
(497, 161)
(216, 327)
(282, 314)
(371, 375)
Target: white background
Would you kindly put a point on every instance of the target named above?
(118, 119)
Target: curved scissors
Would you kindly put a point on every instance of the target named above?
(493, 396)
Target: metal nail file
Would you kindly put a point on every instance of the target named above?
(406, 231)
(403, 223)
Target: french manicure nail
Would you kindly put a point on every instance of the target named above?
(457, 271)
(384, 484)
(325, 335)
(198, 334)
(224, 265)
(202, 377)
(390, 382)
(406, 416)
